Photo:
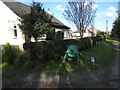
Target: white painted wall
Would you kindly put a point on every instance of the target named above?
(8, 19)
(56, 30)
(87, 34)
(66, 33)
(77, 35)
(95, 32)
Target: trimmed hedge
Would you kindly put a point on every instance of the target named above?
(54, 49)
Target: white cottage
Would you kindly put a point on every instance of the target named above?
(10, 32)
(87, 33)
(76, 34)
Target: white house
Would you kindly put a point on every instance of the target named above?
(76, 34)
(10, 32)
(87, 33)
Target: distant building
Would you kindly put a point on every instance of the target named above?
(87, 33)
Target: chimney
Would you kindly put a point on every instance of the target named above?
(49, 11)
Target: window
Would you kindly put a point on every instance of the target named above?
(15, 32)
(84, 31)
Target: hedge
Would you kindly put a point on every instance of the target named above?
(54, 49)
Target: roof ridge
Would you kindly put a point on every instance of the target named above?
(8, 0)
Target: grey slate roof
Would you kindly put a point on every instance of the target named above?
(20, 8)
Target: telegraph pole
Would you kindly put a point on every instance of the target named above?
(106, 28)
(106, 25)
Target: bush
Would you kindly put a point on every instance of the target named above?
(7, 53)
(100, 38)
(86, 43)
(50, 35)
(94, 39)
(59, 35)
(35, 50)
(20, 59)
(53, 49)
(15, 51)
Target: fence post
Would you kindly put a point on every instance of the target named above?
(1, 49)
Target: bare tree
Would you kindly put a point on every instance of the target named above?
(81, 13)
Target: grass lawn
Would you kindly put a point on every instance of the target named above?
(111, 40)
(103, 53)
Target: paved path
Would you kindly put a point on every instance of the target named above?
(104, 78)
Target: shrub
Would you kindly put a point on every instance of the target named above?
(90, 42)
(35, 50)
(7, 53)
(100, 38)
(86, 43)
(20, 59)
(95, 40)
(59, 35)
(50, 35)
(53, 49)
(15, 51)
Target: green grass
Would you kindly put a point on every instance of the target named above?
(111, 40)
(103, 53)
(3, 65)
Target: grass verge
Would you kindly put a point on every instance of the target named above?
(103, 54)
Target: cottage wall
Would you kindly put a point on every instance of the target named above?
(8, 23)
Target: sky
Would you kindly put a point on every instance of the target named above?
(106, 10)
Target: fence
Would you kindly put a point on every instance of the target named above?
(1, 52)
(1, 47)
(15, 47)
